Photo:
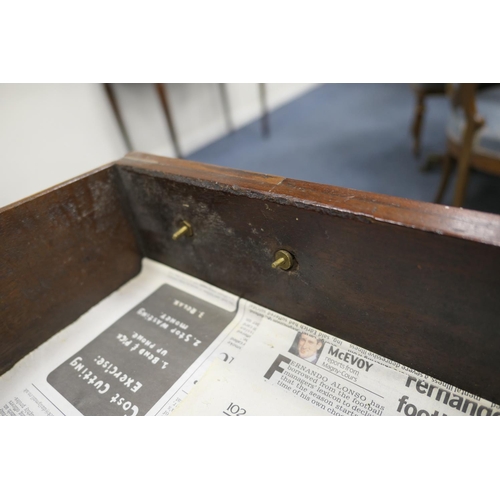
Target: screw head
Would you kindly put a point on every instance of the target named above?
(184, 229)
(283, 260)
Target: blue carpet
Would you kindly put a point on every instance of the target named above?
(355, 136)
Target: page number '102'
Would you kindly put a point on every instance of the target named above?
(234, 410)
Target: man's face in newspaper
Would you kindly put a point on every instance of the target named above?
(308, 346)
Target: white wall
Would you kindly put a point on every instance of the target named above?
(50, 133)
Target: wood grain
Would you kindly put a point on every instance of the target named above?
(61, 252)
(415, 282)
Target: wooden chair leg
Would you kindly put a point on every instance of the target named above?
(417, 122)
(265, 115)
(162, 94)
(463, 166)
(461, 185)
(116, 110)
(445, 177)
(226, 107)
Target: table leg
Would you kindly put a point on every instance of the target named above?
(265, 115)
(163, 95)
(116, 110)
(226, 107)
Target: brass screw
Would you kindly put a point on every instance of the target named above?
(185, 229)
(283, 260)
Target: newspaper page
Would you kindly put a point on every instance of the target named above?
(138, 352)
(288, 366)
(167, 343)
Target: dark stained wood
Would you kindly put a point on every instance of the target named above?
(415, 282)
(61, 252)
(351, 203)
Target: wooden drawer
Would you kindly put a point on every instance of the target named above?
(416, 282)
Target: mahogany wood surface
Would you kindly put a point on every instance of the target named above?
(415, 282)
(61, 252)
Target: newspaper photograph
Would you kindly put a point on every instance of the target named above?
(293, 363)
(167, 343)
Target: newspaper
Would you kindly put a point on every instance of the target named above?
(290, 362)
(138, 352)
(167, 343)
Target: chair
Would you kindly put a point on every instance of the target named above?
(472, 136)
(422, 91)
